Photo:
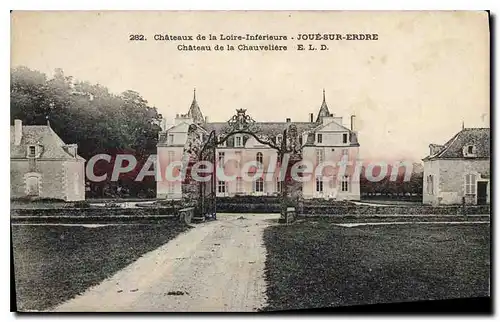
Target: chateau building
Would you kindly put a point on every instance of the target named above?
(459, 170)
(323, 140)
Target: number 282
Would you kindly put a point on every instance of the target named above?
(137, 37)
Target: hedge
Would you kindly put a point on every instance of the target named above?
(96, 212)
(395, 210)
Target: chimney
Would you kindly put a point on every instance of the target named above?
(353, 123)
(288, 120)
(18, 131)
(72, 149)
(206, 119)
(311, 117)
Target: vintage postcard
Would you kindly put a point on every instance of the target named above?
(250, 161)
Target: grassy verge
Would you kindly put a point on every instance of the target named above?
(312, 265)
(54, 263)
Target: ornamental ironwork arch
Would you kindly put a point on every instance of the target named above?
(199, 149)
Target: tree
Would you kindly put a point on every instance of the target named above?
(393, 188)
(89, 115)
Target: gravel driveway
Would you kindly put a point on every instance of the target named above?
(216, 266)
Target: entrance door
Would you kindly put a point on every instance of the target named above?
(482, 187)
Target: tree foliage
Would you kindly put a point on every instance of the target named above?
(386, 187)
(89, 115)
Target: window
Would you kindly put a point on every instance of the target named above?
(31, 151)
(223, 144)
(470, 184)
(239, 184)
(320, 155)
(430, 185)
(221, 186)
(76, 183)
(345, 184)
(319, 138)
(171, 187)
(238, 142)
(278, 185)
(170, 139)
(259, 185)
(345, 151)
(279, 139)
(221, 158)
(319, 184)
(171, 155)
(260, 159)
(344, 138)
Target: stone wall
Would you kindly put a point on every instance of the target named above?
(449, 180)
(75, 180)
(51, 183)
(452, 178)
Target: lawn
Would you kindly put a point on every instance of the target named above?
(313, 265)
(54, 263)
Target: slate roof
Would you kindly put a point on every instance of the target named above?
(453, 149)
(52, 145)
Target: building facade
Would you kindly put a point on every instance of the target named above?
(459, 170)
(323, 140)
(43, 166)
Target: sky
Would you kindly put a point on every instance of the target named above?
(426, 74)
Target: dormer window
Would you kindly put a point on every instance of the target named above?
(344, 138)
(469, 150)
(31, 151)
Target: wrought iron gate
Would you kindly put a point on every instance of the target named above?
(202, 148)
